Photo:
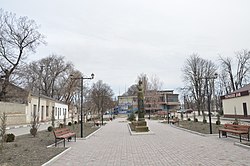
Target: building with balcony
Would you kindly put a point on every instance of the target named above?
(155, 101)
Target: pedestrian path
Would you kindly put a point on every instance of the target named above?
(114, 146)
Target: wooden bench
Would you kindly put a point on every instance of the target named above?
(97, 123)
(174, 120)
(63, 134)
(235, 129)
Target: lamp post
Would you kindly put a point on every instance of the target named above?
(39, 92)
(209, 99)
(82, 78)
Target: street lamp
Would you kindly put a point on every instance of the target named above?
(39, 92)
(82, 78)
(209, 99)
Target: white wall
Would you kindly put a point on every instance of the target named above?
(60, 110)
(16, 113)
(232, 104)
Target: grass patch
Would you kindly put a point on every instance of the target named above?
(27, 150)
(199, 127)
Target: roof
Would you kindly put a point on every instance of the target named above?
(245, 88)
(244, 91)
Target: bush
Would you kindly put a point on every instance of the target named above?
(50, 128)
(75, 122)
(33, 131)
(60, 125)
(217, 122)
(195, 120)
(204, 121)
(235, 123)
(131, 117)
(69, 124)
(9, 137)
(189, 119)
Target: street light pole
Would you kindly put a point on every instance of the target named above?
(39, 93)
(208, 107)
(81, 106)
(209, 100)
(81, 109)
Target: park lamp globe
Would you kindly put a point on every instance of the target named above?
(92, 76)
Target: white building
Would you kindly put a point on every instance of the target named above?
(236, 104)
(23, 105)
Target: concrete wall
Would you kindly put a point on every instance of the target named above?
(236, 104)
(16, 113)
(23, 113)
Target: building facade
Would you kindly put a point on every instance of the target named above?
(22, 106)
(236, 104)
(155, 101)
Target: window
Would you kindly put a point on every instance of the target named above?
(47, 110)
(245, 109)
(53, 110)
(34, 110)
(56, 111)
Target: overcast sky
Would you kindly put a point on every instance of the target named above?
(119, 39)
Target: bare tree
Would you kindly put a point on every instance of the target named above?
(132, 90)
(101, 95)
(152, 94)
(194, 72)
(235, 80)
(18, 37)
(55, 76)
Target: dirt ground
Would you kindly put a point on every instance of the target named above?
(200, 127)
(27, 150)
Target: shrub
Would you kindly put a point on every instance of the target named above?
(69, 124)
(189, 119)
(131, 117)
(235, 122)
(60, 125)
(9, 137)
(50, 128)
(195, 120)
(204, 121)
(75, 122)
(33, 131)
(217, 122)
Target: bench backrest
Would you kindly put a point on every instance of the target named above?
(237, 127)
(61, 131)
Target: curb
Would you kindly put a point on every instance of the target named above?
(56, 157)
(140, 133)
(59, 155)
(241, 145)
(193, 132)
(90, 135)
(25, 125)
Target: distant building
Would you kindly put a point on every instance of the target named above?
(22, 105)
(236, 104)
(155, 101)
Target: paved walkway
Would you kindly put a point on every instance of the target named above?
(114, 146)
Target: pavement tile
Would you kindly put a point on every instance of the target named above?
(114, 146)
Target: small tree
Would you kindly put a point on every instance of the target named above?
(34, 125)
(218, 119)
(3, 130)
(53, 118)
(64, 119)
